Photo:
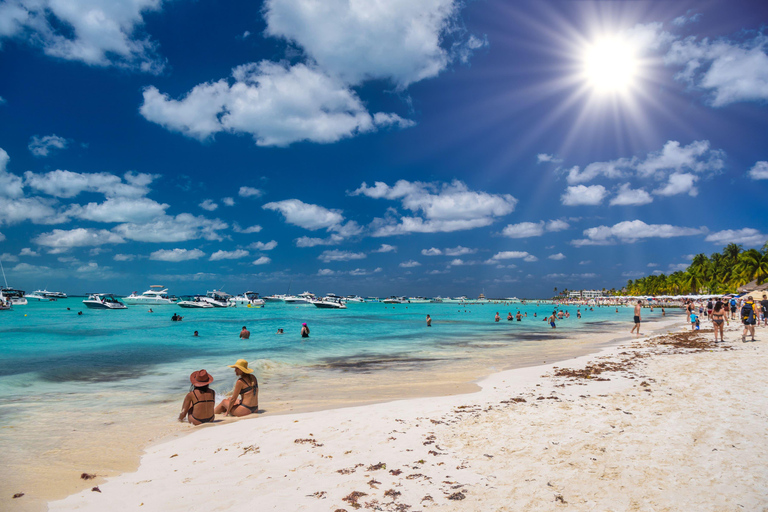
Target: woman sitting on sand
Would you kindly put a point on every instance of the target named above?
(198, 404)
(247, 387)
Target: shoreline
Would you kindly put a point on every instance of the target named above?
(466, 387)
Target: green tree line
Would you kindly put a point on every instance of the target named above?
(718, 273)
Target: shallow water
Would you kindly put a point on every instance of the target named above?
(76, 383)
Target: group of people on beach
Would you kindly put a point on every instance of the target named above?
(749, 311)
(199, 404)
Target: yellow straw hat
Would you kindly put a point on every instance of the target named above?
(241, 365)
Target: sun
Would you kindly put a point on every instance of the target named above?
(610, 65)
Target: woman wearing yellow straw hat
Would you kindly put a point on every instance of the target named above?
(246, 387)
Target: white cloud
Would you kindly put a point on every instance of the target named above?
(512, 255)
(124, 257)
(386, 248)
(759, 171)
(631, 231)
(262, 260)
(746, 236)
(434, 251)
(276, 104)
(459, 251)
(337, 255)
(410, 264)
(447, 207)
(456, 262)
(585, 262)
(307, 216)
(95, 32)
(325, 272)
(730, 71)
(10, 184)
(42, 146)
(8, 257)
(678, 267)
(652, 265)
(35, 209)
(60, 240)
(524, 230)
(543, 157)
(68, 184)
(557, 225)
(613, 169)
(679, 184)
(228, 201)
(558, 256)
(176, 255)
(261, 246)
(208, 205)
(307, 241)
(627, 196)
(26, 251)
(119, 209)
(695, 157)
(398, 40)
(686, 19)
(583, 195)
(180, 228)
(250, 192)
(228, 255)
(253, 229)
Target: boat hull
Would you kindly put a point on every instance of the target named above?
(92, 304)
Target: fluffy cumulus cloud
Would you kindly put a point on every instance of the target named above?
(124, 257)
(208, 205)
(42, 146)
(745, 236)
(262, 260)
(167, 228)
(679, 183)
(119, 209)
(251, 229)
(556, 257)
(277, 104)
(337, 255)
(459, 251)
(263, 246)
(26, 251)
(627, 196)
(523, 230)
(250, 192)
(10, 184)
(386, 248)
(309, 241)
(60, 240)
(228, 255)
(397, 40)
(67, 184)
(410, 264)
(544, 157)
(95, 32)
(583, 195)
(228, 201)
(512, 255)
(433, 251)
(176, 255)
(443, 207)
(631, 231)
(759, 171)
(307, 216)
(34, 209)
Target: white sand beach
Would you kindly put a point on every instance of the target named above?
(647, 426)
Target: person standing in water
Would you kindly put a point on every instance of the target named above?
(429, 321)
(304, 331)
(245, 334)
(496, 318)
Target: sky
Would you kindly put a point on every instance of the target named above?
(407, 147)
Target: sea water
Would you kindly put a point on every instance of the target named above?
(72, 379)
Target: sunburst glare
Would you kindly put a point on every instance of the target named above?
(610, 65)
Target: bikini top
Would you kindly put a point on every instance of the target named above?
(253, 388)
(200, 401)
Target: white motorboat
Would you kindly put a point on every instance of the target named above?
(395, 300)
(418, 300)
(14, 296)
(5, 305)
(354, 298)
(36, 296)
(155, 296)
(103, 301)
(274, 298)
(217, 298)
(247, 299)
(436, 300)
(54, 295)
(195, 302)
(330, 301)
(302, 298)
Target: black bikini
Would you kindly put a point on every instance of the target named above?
(249, 389)
(205, 420)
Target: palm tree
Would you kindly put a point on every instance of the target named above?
(731, 253)
(752, 265)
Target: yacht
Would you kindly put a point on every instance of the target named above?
(302, 298)
(436, 300)
(36, 296)
(155, 296)
(50, 295)
(15, 297)
(195, 302)
(5, 304)
(354, 298)
(418, 300)
(274, 298)
(247, 299)
(217, 298)
(395, 300)
(330, 301)
(103, 301)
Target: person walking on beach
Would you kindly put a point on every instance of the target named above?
(429, 321)
(246, 387)
(245, 334)
(764, 306)
(718, 318)
(637, 318)
(304, 331)
(749, 319)
(198, 404)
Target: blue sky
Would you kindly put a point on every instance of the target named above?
(428, 147)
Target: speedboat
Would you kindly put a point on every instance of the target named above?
(247, 299)
(436, 300)
(302, 298)
(395, 300)
(14, 296)
(217, 298)
(103, 301)
(354, 298)
(418, 300)
(36, 296)
(195, 302)
(5, 304)
(54, 295)
(155, 296)
(330, 301)
(274, 298)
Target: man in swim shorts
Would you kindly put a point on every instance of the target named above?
(245, 334)
(637, 318)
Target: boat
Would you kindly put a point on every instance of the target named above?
(436, 300)
(247, 299)
(274, 298)
(51, 295)
(354, 298)
(103, 301)
(418, 300)
(217, 298)
(195, 302)
(302, 298)
(330, 301)
(36, 296)
(155, 296)
(14, 296)
(5, 305)
(395, 300)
